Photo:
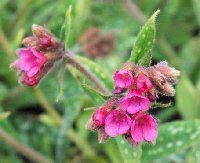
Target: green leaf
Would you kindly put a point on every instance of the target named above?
(187, 99)
(111, 149)
(66, 27)
(194, 154)
(145, 40)
(196, 4)
(173, 137)
(128, 153)
(146, 60)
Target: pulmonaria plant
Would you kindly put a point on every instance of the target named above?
(126, 112)
(136, 86)
(38, 57)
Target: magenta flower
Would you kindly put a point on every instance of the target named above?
(29, 64)
(143, 83)
(144, 128)
(117, 122)
(134, 102)
(123, 78)
(99, 117)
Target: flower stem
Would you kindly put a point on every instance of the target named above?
(71, 59)
(23, 149)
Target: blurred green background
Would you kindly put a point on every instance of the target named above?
(57, 129)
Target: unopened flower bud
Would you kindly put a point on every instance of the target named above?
(42, 51)
(40, 32)
(111, 104)
(90, 125)
(99, 116)
(32, 42)
(46, 38)
(167, 71)
(160, 81)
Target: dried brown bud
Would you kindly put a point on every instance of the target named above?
(167, 71)
(102, 136)
(111, 103)
(160, 82)
(90, 125)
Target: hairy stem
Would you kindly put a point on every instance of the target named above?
(71, 59)
(23, 149)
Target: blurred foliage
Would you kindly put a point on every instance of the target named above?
(177, 41)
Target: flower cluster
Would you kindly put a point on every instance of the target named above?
(136, 87)
(41, 52)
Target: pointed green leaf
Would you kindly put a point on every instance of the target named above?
(66, 27)
(196, 4)
(145, 40)
(146, 60)
(128, 153)
(173, 137)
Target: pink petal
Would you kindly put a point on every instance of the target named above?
(133, 103)
(123, 78)
(144, 127)
(117, 122)
(143, 83)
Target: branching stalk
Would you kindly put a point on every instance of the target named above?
(71, 59)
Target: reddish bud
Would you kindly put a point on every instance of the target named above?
(99, 117)
(90, 125)
(143, 83)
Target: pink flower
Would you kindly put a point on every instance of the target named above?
(143, 83)
(29, 64)
(123, 78)
(117, 122)
(99, 117)
(144, 128)
(134, 102)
